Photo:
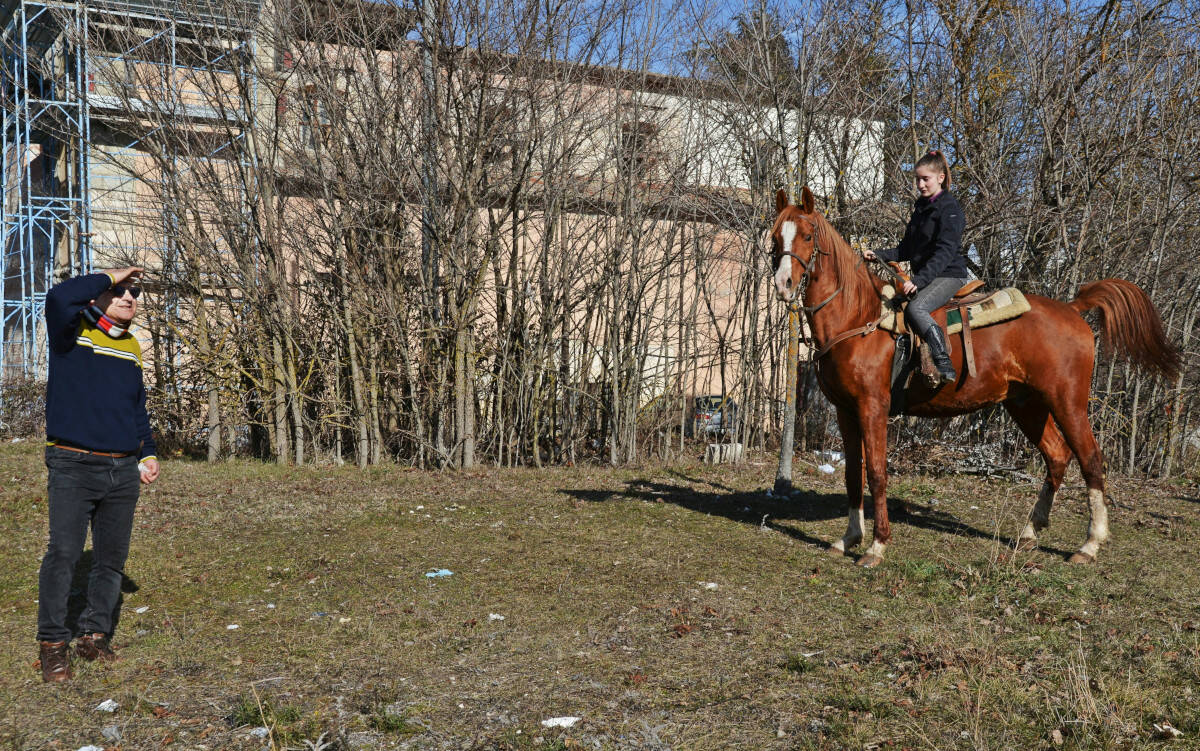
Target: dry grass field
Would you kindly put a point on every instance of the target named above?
(672, 607)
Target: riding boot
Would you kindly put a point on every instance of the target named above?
(938, 351)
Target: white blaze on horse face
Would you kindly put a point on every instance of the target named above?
(783, 276)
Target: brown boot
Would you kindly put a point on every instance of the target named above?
(56, 661)
(95, 647)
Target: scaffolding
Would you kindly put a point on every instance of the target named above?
(45, 219)
(64, 205)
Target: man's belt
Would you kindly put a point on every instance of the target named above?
(78, 450)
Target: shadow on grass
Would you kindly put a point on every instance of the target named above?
(741, 506)
(755, 507)
(77, 599)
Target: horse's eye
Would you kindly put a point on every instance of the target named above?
(807, 238)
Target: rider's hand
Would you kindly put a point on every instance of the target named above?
(869, 255)
(909, 288)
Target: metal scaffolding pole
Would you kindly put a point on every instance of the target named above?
(57, 182)
(45, 223)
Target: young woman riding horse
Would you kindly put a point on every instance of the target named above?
(1039, 366)
(933, 244)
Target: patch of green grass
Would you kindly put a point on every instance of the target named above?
(248, 711)
(852, 701)
(289, 724)
(798, 664)
(385, 721)
(286, 715)
(922, 570)
(921, 491)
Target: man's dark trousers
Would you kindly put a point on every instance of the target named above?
(86, 489)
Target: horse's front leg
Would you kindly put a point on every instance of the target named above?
(872, 419)
(852, 446)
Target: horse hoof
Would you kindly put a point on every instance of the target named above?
(1026, 544)
(1082, 557)
(870, 561)
(835, 552)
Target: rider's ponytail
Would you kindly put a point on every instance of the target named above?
(937, 160)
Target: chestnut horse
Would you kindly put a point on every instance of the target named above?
(1039, 366)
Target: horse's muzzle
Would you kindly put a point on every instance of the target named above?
(785, 290)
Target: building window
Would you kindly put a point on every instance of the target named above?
(638, 150)
(504, 126)
(284, 59)
(499, 136)
(765, 165)
(315, 123)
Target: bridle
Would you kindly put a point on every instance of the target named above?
(806, 277)
(802, 287)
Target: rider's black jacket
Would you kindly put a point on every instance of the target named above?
(933, 240)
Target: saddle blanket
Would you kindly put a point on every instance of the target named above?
(1001, 305)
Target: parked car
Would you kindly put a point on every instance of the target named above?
(714, 415)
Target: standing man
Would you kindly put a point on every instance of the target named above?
(98, 451)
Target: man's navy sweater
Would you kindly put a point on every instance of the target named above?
(95, 398)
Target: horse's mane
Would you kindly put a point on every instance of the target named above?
(858, 289)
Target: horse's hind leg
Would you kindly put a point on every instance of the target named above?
(1033, 417)
(1072, 419)
(852, 446)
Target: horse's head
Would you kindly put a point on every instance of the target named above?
(793, 242)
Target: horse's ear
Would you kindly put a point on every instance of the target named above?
(806, 200)
(781, 200)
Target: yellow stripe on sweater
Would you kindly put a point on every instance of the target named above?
(125, 347)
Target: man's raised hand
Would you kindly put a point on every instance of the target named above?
(121, 275)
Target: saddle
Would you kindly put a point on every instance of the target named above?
(969, 309)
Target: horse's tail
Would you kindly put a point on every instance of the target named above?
(1130, 325)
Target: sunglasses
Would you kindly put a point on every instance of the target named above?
(119, 291)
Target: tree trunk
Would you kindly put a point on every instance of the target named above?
(296, 401)
(279, 401)
(783, 477)
(214, 425)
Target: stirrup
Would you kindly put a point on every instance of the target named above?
(948, 375)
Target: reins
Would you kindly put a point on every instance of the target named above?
(860, 331)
